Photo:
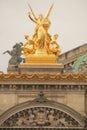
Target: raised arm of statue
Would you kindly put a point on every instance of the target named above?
(32, 18)
(35, 17)
(49, 11)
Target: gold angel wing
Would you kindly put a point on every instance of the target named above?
(32, 11)
(49, 11)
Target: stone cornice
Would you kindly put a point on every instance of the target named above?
(45, 76)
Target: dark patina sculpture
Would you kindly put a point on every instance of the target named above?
(15, 54)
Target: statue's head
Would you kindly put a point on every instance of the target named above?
(40, 17)
(55, 36)
(21, 43)
(17, 46)
(26, 36)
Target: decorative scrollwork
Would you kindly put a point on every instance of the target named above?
(41, 116)
(44, 76)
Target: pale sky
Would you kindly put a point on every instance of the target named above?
(68, 19)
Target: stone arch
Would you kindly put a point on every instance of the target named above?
(41, 112)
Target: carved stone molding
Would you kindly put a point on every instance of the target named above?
(41, 116)
(45, 76)
(41, 112)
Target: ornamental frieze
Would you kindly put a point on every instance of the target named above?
(41, 116)
(44, 76)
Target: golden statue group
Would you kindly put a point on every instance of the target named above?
(41, 43)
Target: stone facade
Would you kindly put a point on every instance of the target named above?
(61, 105)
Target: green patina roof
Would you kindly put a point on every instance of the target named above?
(77, 64)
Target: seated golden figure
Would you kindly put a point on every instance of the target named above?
(53, 47)
(28, 47)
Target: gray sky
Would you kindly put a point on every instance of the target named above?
(68, 20)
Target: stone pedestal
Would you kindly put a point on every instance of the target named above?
(39, 68)
(43, 68)
(40, 62)
(12, 68)
(40, 57)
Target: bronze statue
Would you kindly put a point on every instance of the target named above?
(15, 54)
